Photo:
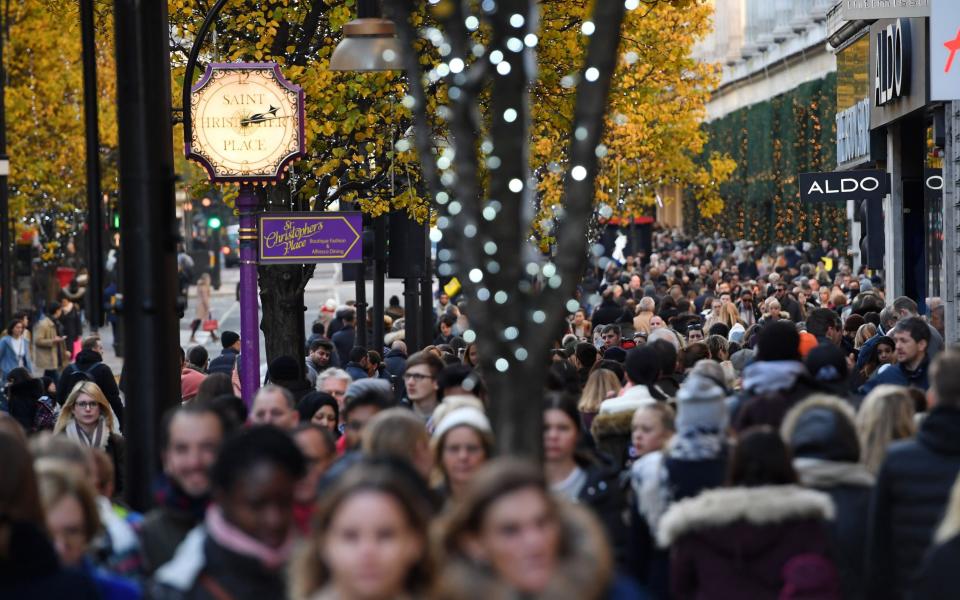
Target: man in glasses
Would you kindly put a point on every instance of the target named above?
(420, 382)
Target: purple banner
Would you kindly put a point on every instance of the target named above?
(302, 238)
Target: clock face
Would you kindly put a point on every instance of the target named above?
(247, 122)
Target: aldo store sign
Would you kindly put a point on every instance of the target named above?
(898, 69)
(840, 186)
(891, 71)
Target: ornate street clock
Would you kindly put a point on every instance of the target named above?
(247, 122)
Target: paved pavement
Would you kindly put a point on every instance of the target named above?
(326, 283)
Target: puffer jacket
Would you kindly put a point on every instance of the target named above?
(913, 487)
(821, 435)
(745, 543)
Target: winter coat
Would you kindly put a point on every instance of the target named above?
(898, 374)
(48, 353)
(163, 529)
(739, 542)
(612, 434)
(203, 302)
(32, 570)
(608, 312)
(89, 366)
(343, 341)
(8, 356)
(913, 487)
(225, 363)
(355, 371)
(71, 324)
(200, 560)
(821, 435)
(603, 494)
(395, 362)
(770, 389)
(938, 577)
(584, 570)
(110, 586)
(22, 401)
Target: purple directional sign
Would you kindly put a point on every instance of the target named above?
(301, 238)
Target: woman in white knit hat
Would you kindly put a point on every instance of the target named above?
(462, 442)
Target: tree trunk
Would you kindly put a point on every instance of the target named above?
(516, 299)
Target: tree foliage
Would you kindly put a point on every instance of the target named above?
(353, 119)
(652, 135)
(44, 117)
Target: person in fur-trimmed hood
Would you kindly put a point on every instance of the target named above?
(762, 537)
(826, 454)
(510, 538)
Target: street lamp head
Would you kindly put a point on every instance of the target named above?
(368, 44)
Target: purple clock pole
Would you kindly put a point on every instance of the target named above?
(247, 204)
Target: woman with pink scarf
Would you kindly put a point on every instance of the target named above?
(243, 547)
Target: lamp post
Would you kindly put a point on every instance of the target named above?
(95, 225)
(369, 44)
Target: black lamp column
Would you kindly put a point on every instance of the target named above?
(92, 133)
(149, 233)
(427, 320)
(379, 274)
(6, 258)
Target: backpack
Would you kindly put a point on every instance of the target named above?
(46, 416)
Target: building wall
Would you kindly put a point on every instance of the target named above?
(773, 113)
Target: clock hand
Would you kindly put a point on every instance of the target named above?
(255, 119)
(261, 117)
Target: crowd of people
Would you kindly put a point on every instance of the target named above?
(718, 423)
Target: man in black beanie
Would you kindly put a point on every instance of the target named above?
(774, 381)
(227, 361)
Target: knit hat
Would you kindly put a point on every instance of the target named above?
(736, 333)
(284, 368)
(465, 415)
(740, 359)
(827, 364)
(712, 370)
(808, 342)
(229, 338)
(374, 385)
(700, 404)
(615, 353)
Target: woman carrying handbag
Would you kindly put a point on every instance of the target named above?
(203, 315)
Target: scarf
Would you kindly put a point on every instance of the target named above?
(231, 538)
(696, 443)
(98, 439)
(168, 494)
(764, 377)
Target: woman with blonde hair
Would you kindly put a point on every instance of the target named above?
(864, 333)
(885, 416)
(385, 512)
(87, 419)
(729, 315)
(73, 521)
(601, 385)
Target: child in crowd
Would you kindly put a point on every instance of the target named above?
(652, 427)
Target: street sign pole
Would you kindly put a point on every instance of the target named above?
(247, 204)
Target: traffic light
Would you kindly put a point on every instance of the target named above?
(213, 222)
(870, 215)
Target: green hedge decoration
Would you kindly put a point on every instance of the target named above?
(771, 142)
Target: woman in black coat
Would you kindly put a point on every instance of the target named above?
(826, 452)
(589, 478)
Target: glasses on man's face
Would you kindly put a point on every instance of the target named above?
(86, 405)
(418, 377)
